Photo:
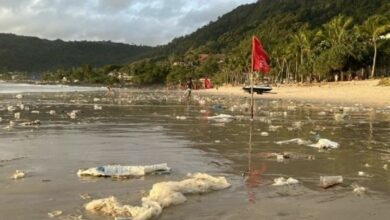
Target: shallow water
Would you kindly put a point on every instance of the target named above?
(140, 128)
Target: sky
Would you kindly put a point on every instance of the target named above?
(146, 22)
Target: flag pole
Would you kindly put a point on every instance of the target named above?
(252, 101)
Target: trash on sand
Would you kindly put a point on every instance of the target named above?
(364, 174)
(385, 167)
(19, 96)
(124, 171)
(17, 115)
(325, 144)
(96, 100)
(1, 119)
(340, 116)
(329, 181)
(274, 128)
(221, 118)
(54, 213)
(11, 108)
(85, 196)
(181, 117)
(52, 112)
(358, 189)
(73, 114)
(293, 141)
(321, 113)
(97, 107)
(18, 175)
(31, 123)
(162, 195)
(35, 112)
(281, 181)
(264, 134)
(21, 106)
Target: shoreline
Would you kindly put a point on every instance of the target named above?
(350, 92)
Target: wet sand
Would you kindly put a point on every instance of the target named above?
(140, 128)
(353, 92)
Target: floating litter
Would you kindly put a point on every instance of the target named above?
(325, 144)
(124, 171)
(330, 181)
(18, 175)
(54, 213)
(281, 181)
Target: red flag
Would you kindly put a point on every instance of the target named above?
(260, 59)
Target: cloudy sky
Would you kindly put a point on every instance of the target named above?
(148, 22)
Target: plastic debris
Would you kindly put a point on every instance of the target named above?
(264, 134)
(19, 96)
(52, 112)
(17, 115)
(124, 171)
(321, 113)
(73, 114)
(18, 175)
(325, 144)
(359, 190)
(97, 107)
(54, 213)
(340, 116)
(385, 167)
(293, 141)
(274, 128)
(181, 117)
(281, 181)
(364, 174)
(31, 123)
(162, 195)
(96, 100)
(330, 181)
(35, 112)
(221, 118)
(11, 108)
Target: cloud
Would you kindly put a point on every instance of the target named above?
(148, 22)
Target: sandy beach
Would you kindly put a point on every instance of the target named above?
(352, 92)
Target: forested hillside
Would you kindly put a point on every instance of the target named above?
(31, 54)
(307, 40)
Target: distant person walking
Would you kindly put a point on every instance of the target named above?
(190, 86)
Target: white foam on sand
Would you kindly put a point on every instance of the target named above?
(161, 195)
(10, 88)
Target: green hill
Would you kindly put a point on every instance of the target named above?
(31, 54)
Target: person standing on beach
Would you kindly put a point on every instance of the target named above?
(190, 86)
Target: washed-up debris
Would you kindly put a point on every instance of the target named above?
(203, 111)
(17, 115)
(298, 141)
(217, 141)
(359, 190)
(52, 112)
(321, 113)
(385, 167)
(181, 117)
(12, 123)
(19, 96)
(221, 118)
(264, 134)
(18, 175)
(325, 144)
(363, 174)
(21, 106)
(31, 123)
(85, 196)
(35, 112)
(340, 116)
(367, 165)
(1, 119)
(124, 171)
(330, 181)
(162, 195)
(54, 213)
(286, 155)
(281, 181)
(96, 100)
(274, 128)
(11, 108)
(73, 114)
(97, 107)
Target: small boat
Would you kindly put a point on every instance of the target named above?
(259, 89)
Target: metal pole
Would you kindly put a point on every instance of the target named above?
(252, 101)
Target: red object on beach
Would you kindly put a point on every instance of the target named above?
(260, 59)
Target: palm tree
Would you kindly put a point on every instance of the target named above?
(373, 28)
